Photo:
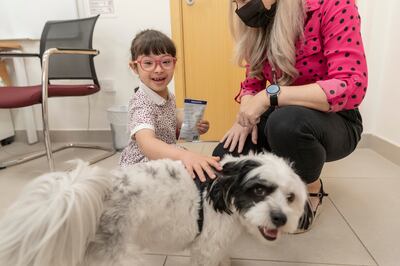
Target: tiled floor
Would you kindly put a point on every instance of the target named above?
(359, 225)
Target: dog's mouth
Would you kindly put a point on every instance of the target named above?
(269, 234)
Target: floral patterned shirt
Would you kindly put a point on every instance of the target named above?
(148, 110)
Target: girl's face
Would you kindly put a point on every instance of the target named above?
(155, 71)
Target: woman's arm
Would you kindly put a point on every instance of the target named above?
(154, 149)
(311, 96)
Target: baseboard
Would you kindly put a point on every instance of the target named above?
(385, 148)
(70, 136)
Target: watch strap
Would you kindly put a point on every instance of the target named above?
(273, 100)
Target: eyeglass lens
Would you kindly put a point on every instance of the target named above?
(149, 64)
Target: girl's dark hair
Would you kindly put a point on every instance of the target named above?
(152, 42)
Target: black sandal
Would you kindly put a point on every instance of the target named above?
(307, 219)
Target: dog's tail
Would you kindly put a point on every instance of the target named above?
(54, 218)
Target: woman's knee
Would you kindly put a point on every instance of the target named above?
(287, 124)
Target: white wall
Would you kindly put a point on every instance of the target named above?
(381, 34)
(113, 35)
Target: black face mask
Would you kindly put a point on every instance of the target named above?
(255, 15)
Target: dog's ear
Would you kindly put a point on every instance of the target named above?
(228, 182)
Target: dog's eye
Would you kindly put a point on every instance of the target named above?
(290, 197)
(260, 191)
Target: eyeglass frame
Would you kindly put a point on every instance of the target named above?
(157, 62)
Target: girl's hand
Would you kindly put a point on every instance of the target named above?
(198, 164)
(237, 135)
(203, 126)
(250, 111)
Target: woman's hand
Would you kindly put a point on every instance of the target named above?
(237, 135)
(199, 164)
(251, 110)
(203, 126)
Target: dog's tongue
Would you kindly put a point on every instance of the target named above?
(269, 234)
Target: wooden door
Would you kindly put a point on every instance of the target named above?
(205, 69)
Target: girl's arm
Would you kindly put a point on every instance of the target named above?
(154, 149)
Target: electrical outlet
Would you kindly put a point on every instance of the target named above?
(107, 85)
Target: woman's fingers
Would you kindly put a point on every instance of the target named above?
(224, 137)
(254, 134)
(242, 141)
(228, 140)
(234, 142)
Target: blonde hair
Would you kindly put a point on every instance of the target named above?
(276, 43)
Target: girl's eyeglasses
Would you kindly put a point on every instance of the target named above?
(148, 63)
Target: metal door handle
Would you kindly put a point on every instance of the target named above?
(190, 2)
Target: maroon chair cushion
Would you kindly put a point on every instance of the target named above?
(14, 97)
(72, 90)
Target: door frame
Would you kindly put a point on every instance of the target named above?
(177, 36)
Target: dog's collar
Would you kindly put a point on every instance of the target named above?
(201, 186)
(200, 220)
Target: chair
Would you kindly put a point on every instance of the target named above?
(66, 54)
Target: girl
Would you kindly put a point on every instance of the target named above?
(152, 111)
(306, 77)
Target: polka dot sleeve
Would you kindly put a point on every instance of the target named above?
(347, 68)
(250, 86)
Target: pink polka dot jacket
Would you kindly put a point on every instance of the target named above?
(331, 54)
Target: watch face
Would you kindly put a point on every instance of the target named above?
(273, 89)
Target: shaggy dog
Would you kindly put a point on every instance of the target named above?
(91, 217)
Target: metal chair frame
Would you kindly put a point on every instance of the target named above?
(45, 58)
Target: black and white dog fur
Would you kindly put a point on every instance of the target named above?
(89, 217)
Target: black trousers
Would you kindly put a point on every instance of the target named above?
(307, 137)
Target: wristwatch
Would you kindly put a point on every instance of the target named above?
(273, 91)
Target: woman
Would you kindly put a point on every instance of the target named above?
(306, 76)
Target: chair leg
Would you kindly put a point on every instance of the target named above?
(46, 135)
(109, 152)
(45, 120)
(48, 147)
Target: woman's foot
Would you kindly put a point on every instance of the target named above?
(314, 188)
(316, 194)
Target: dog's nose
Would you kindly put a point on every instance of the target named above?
(278, 218)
